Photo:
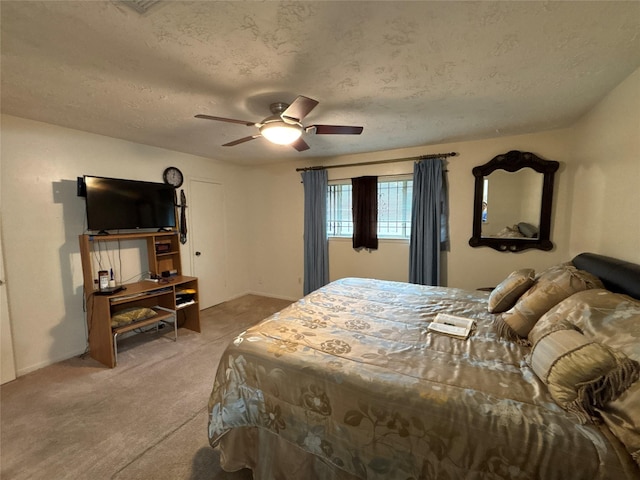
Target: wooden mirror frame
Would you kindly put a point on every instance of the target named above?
(512, 162)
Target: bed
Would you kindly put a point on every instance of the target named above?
(349, 383)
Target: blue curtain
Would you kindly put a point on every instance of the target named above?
(316, 247)
(429, 222)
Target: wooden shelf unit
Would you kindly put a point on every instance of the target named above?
(164, 260)
(100, 308)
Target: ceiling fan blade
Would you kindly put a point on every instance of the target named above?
(241, 140)
(300, 145)
(230, 120)
(335, 129)
(300, 108)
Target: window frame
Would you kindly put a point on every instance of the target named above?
(407, 199)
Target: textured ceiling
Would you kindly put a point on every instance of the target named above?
(412, 73)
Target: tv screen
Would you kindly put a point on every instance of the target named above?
(118, 204)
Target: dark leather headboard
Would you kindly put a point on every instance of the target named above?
(617, 275)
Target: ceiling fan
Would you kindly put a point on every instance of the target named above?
(284, 125)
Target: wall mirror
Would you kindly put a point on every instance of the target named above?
(512, 202)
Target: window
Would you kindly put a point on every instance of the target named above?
(394, 208)
(339, 219)
(485, 199)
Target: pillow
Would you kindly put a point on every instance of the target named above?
(505, 295)
(551, 287)
(622, 416)
(581, 375)
(509, 232)
(528, 230)
(129, 315)
(553, 268)
(613, 320)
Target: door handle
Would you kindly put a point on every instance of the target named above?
(198, 254)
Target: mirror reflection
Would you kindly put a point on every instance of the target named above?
(511, 204)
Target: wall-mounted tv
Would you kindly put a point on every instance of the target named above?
(118, 204)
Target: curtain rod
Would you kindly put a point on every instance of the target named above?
(421, 157)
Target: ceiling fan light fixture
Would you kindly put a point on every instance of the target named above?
(284, 125)
(281, 133)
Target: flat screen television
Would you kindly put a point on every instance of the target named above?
(118, 204)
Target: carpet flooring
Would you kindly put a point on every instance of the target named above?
(144, 419)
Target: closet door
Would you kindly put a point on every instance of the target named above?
(207, 233)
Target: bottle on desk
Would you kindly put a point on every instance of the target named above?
(103, 279)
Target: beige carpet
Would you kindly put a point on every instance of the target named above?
(144, 419)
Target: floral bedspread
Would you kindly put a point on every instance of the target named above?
(350, 374)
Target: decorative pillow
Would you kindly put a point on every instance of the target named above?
(581, 375)
(609, 318)
(509, 232)
(613, 320)
(551, 287)
(505, 295)
(553, 268)
(129, 315)
(528, 230)
(622, 416)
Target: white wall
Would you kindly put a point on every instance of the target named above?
(480, 267)
(42, 218)
(605, 180)
(276, 215)
(596, 202)
(467, 267)
(595, 206)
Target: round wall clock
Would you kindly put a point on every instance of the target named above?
(173, 176)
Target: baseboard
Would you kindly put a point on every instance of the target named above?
(262, 294)
(60, 358)
(279, 297)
